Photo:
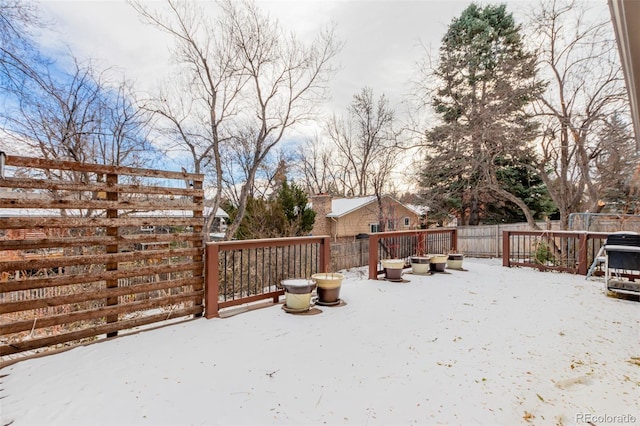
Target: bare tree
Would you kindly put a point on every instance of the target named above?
(578, 56)
(617, 168)
(84, 116)
(362, 139)
(313, 163)
(237, 160)
(383, 166)
(249, 82)
(20, 61)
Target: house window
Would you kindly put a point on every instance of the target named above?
(391, 225)
(407, 222)
(374, 227)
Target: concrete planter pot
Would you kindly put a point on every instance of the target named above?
(329, 284)
(438, 262)
(420, 265)
(298, 293)
(393, 268)
(454, 261)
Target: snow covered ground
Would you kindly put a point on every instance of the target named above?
(489, 345)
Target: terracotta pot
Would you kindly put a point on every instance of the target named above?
(298, 293)
(329, 284)
(420, 264)
(454, 261)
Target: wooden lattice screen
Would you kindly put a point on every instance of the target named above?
(88, 250)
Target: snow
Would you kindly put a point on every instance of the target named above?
(343, 206)
(487, 345)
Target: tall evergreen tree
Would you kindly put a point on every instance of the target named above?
(487, 78)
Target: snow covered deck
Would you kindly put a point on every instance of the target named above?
(488, 345)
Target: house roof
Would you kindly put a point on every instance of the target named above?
(343, 206)
(419, 210)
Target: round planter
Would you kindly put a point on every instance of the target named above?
(454, 261)
(393, 268)
(329, 284)
(420, 264)
(438, 262)
(298, 293)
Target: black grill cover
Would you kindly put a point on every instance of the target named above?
(620, 259)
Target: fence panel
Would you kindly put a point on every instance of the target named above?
(349, 254)
(88, 250)
(486, 240)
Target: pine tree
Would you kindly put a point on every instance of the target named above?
(487, 79)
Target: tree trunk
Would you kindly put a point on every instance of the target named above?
(474, 210)
(517, 201)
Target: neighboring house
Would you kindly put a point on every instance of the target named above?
(346, 218)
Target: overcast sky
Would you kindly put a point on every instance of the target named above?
(383, 39)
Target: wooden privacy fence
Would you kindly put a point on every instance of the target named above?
(349, 254)
(567, 251)
(404, 244)
(240, 272)
(89, 250)
(486, 240)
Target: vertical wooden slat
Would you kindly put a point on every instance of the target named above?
(197, 199)
(112, 231)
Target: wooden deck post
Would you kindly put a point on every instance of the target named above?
(505, 249)
(325, 254)
(373, 256)
(212, 286)
(582, 254)
(454, 240)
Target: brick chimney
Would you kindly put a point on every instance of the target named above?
(321, 204)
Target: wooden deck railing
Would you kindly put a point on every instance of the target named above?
(567, 251)
(404, 244)
(239, 272)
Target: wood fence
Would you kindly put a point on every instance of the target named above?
(349, 254)
(486, 240)
(89, 250)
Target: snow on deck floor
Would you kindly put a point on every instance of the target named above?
(489, 345)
